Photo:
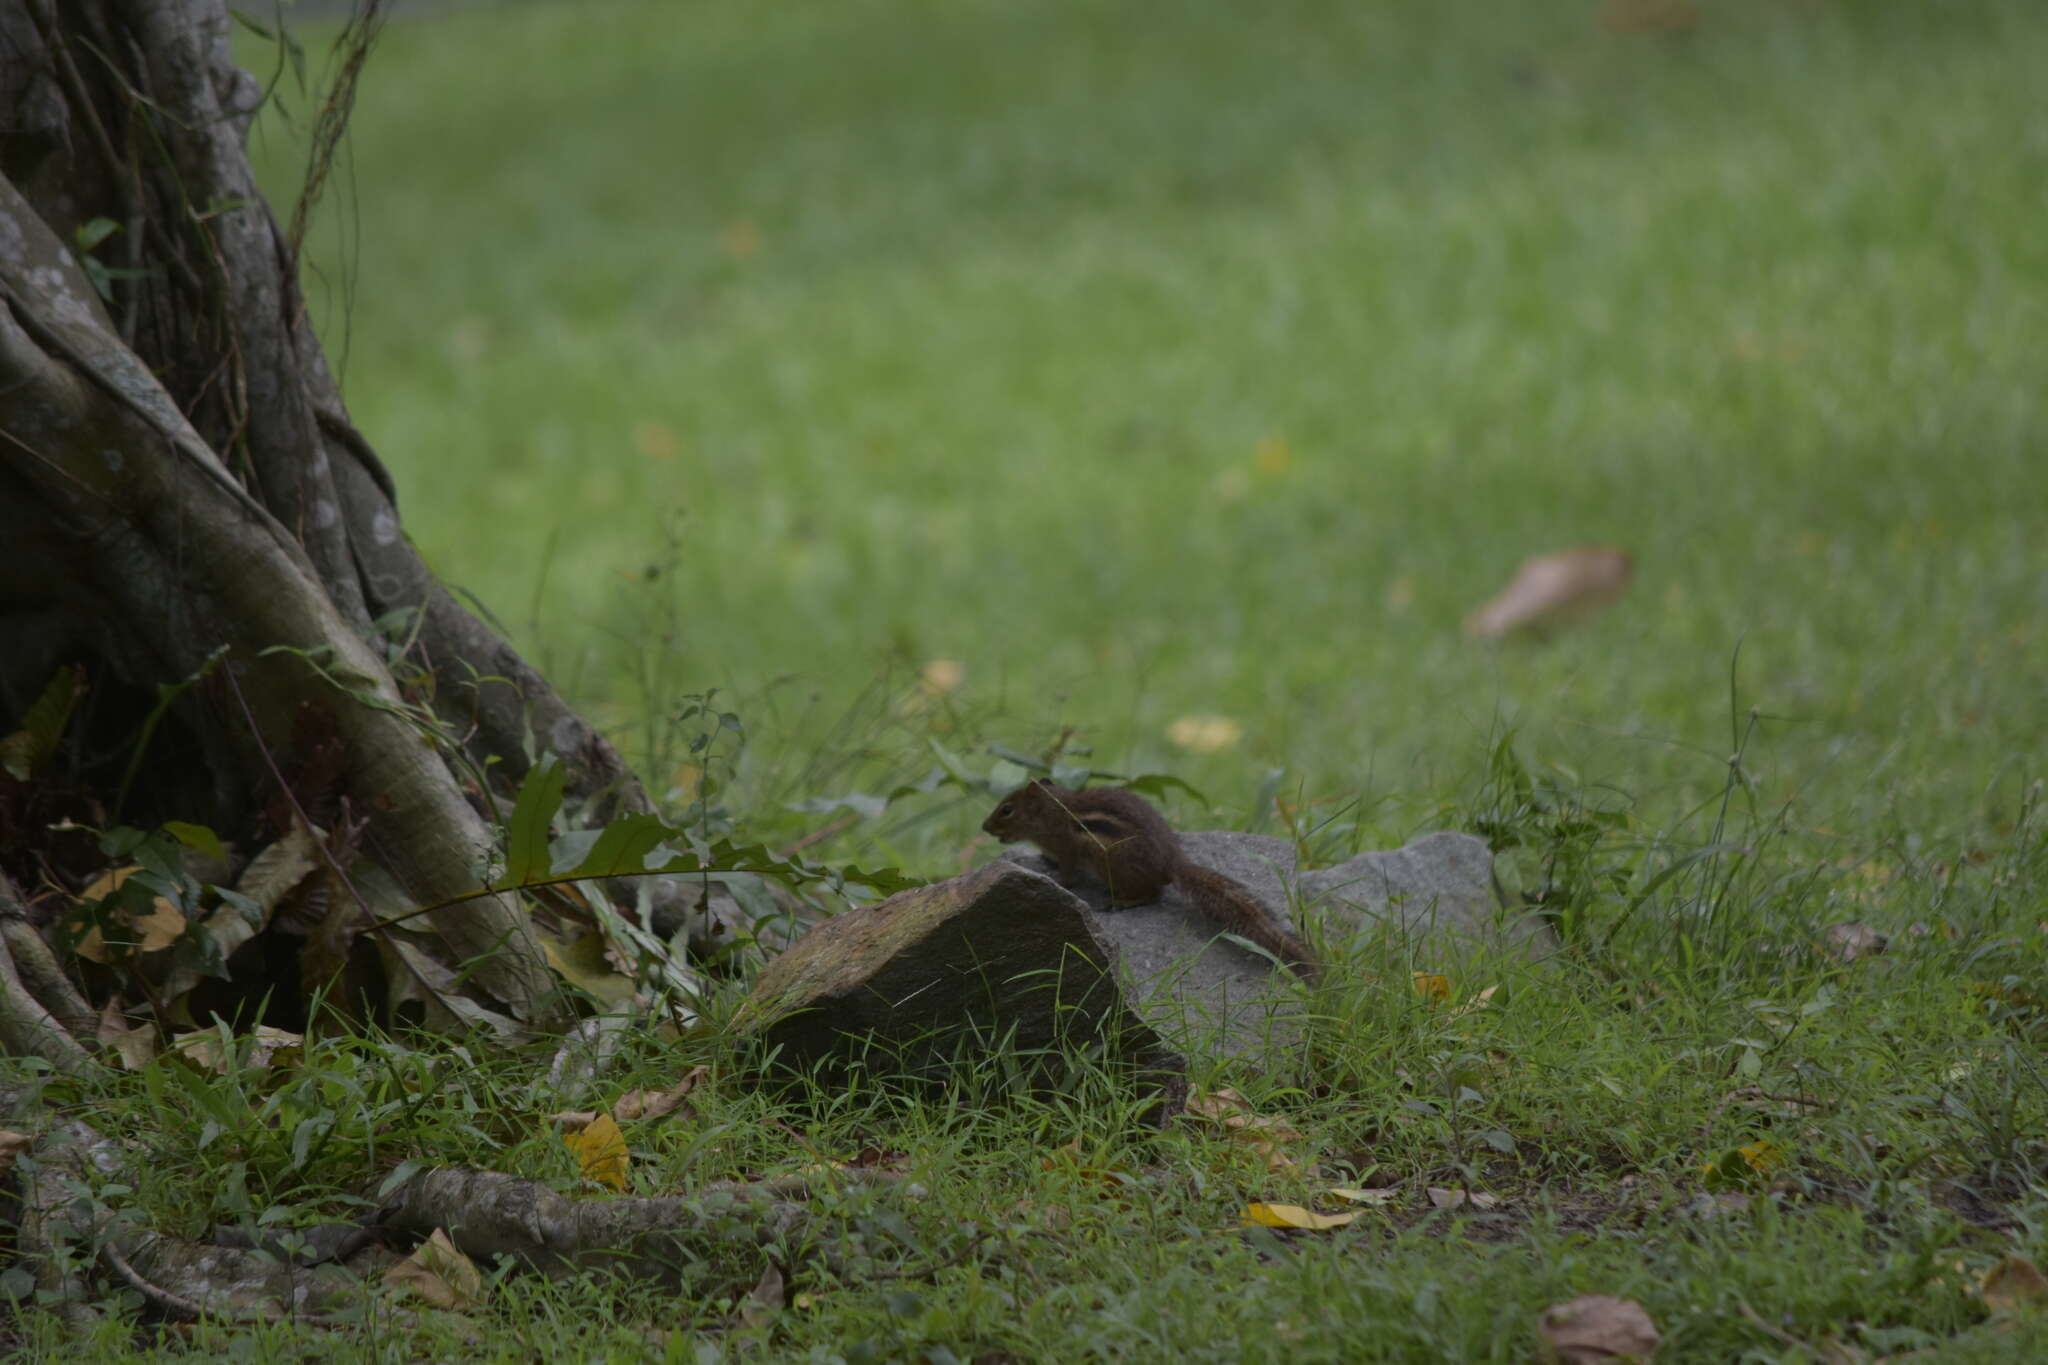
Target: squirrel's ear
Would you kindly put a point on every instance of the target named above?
(1041, 782)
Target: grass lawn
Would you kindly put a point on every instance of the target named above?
(1213, 360)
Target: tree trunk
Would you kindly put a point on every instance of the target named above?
(184, 500)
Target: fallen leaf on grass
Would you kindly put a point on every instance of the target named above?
(1227, 1110)
(768, 1297)
(600, 1148)
(1553, 591)
(1477, 1002)
(1204, 734)
(1352, 1195)
(1455, 1199)
(208, 1051)
(2013, 1285)
(1293, 1216)
(652, 1104)
(1431, 987)
(1273, 457)
(11, 1143)
(440, 1274)
(1847, 942)
(1742, 1166)
(1596, 1328)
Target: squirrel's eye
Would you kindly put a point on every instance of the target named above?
(1006, 809)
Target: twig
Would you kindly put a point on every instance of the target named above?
(818, 836)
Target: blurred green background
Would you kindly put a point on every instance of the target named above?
(1156, 362)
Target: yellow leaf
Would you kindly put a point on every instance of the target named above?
(1433, 988)
(1205, 734)
(1273, 458)
(1763, 1155)
(440, 1274)
(1744, 1166)
(1293, 1216)
(586, 965)
(162, 926)
(600, 1148)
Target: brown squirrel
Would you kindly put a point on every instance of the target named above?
(1119, 840)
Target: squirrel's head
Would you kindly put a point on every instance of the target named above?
(1007, 821)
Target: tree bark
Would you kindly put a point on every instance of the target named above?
(179, 480)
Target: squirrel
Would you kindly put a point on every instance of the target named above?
(1120, 840)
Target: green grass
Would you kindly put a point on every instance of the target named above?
(785, 348)
(1762, 302)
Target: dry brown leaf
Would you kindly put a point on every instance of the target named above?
(136, 1046)
(1227, 1110)
(160, 928)
(652, 1104)
(1847, 942)
(586, 963)
(1457, 1199)
(600, 1149)
(1477, 1002)
(278, 870)
(11, 1142)
(2014, 1284)
(1551, 592)
(1352, 1194)
(440, 1274)
(204, 1048)
(768, 1297)
(1293, 1216)
(1597, 1328)
(573, 1120)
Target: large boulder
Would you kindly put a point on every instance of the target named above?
(944, 974)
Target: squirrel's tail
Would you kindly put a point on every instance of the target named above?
(1231, 904)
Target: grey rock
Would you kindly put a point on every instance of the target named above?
(1438, 892)
(1211, 996)
(1205, 994)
